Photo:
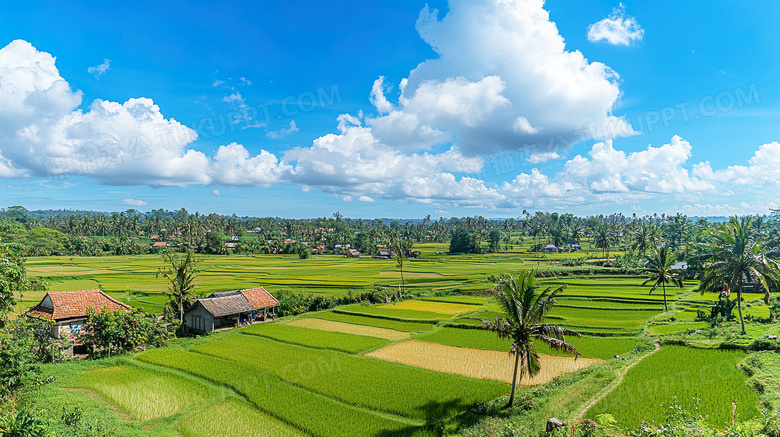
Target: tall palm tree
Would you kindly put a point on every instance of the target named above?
(659, 266)
(604, 239)
(525, 308)
(735, 255)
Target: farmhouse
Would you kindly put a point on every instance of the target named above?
(68, 309)
(231, 308)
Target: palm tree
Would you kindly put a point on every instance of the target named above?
(735, 255)
(181, 276)
(645, 238)
(525, 309)
(604, 239)
(659, 266)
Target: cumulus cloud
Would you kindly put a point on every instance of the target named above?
(43, 133)
(99, 69)
(617, 29)
(503, 80)
(133, 202)
(283, 132)
(366, 199)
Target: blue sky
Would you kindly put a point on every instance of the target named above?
(391, 109)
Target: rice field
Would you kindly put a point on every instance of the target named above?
(233, 418)
(372, 384)
(316, 338)
(446, 308)
(140, 393)
(349, 328)
(293, 405)
(392, 313)
(474, 363)
(357, 319)
(589, 347)
(682, 375)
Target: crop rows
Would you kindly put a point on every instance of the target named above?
(379, 322)
(392, 313)
(316, 338)
(298, 407)
(681, 374)
(364, 382)
(589, 347)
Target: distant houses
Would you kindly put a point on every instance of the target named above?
(231, 308)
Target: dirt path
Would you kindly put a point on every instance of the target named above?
(616, 383)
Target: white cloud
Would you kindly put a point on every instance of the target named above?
(283, 132)
(133, 202)
(617, 29)
(216, 192)
(503, 80)
(99, 69)
(232, 165)
(366, 199)
(538, 158)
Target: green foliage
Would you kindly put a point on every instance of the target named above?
(121, 331)
(365, 382)
(315, 338)
(464, 242)
(22, 423)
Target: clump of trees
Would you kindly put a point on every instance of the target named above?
(121, 331)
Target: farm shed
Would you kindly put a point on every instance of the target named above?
(68, 309)
(230, 308)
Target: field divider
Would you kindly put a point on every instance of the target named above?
(614, 385)
(385, 414)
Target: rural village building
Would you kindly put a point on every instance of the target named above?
(68, 309)
(230, 308)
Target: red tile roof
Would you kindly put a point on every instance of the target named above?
(259, 297)
(62, 305)
(160, 244)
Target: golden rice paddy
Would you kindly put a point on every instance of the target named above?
(348, 328)
(434, 307)
(480, 364)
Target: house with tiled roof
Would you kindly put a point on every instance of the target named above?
(68, 309)
(231, 308)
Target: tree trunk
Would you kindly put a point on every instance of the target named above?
(181, 312)
(739, 306)
(514, 381)
(663, 284)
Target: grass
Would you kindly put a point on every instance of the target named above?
(680, 374)
(316, 338)
(377, 385)
(356, 319)
(474, 363)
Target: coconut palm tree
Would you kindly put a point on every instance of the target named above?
(645, 238)
(735, 255)
(604, 239)
(525, 308)
(181, 278)
(659, 266)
